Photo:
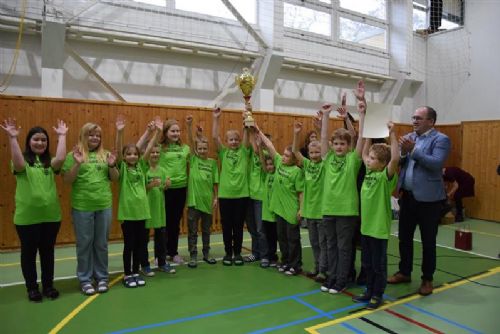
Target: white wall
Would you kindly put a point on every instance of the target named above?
(463, 67)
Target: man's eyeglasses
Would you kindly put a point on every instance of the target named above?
(418, 118)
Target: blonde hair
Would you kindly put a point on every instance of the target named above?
(83, 142)
(200, 140)
(382, 152)
(232, 132)
(342, 134)
(293, 159)
(166, 126)
(314, 143)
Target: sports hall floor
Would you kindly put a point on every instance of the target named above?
(248, 299)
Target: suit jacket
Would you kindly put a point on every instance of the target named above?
(429, 155)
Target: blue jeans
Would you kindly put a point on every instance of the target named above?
(92, 232)
(253, 220)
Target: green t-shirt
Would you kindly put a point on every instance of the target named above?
(376, 213)
(133, 200)
(156, 198)
(173, 158)
(36, 195)
(313, 189)
(340, 192)
(257, 177)
(288, 183)
(91, 190)
(203, 174)
(267, 214)
(234, 172)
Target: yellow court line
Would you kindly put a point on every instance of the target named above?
(445, 286)
(79, 308)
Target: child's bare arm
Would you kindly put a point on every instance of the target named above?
(215, 128)
(325, 109)
(120, 126)
(362, 112)
(297, 128)
(269, 145)
(12, 130)
(392, 168)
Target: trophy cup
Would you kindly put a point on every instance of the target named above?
(246, 82)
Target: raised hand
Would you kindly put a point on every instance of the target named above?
(390, 126)
(297, 127)
(10, 127)
(362, 107)
(326, 108)
(317, 120)
(189, 120)
(359, 92)
(61, 128)
(199, 131)
(216, 112)
(120, 123)
(158, 123)
(151, 126)
(77, 155)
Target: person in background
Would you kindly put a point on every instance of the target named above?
(38, 212)
(461, 186)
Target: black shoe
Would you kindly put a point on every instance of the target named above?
(374, 303)
(459, 219)
(227, 261)
(238, 260)
(50, 293)
(35, 296)
(365, 297)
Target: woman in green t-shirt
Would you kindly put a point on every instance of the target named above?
(89, 169)
(38, 211)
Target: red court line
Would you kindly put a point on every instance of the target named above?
(419, 324)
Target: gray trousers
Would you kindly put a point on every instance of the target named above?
(317, 238)
(194, 216)
(253, 220)
(339, 232)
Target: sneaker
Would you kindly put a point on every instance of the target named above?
(129, 281)
(365, 297)
(102, 287)
(146, 271)
(167, 268)
(35, 296)
(209, 260)
(320, 278)
(238, 260)
(273, 264)
(324, 288)
(336, 289)
(227, 261)
(374, 303)
(178, 259)
(250, 258)
(292, 272)
(312, 274)
(264, 263)
(50, 293)
(282, 268)
(139, 280)
(192, 263)
(88, 289)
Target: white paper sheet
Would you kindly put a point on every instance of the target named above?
(376, 119)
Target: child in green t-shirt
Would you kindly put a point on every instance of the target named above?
(376, 215)
(340, 206)
(37, 216)
(133, 206)
(233, 188)
(157, 182)
(269, 258)
(311, 205)
(288, 185)
(202, 194)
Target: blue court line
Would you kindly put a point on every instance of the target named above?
(211, 314)
(449, 321)
(352, 328)
(312, 307)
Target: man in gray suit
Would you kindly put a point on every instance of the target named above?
(422, 195)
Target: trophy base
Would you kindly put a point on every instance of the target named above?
(249, 123)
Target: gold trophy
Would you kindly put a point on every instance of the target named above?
(246, 82)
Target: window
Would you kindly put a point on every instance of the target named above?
(374, 8)
(247, 8)
(303, 18)
(362, 33)
(452, 14)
